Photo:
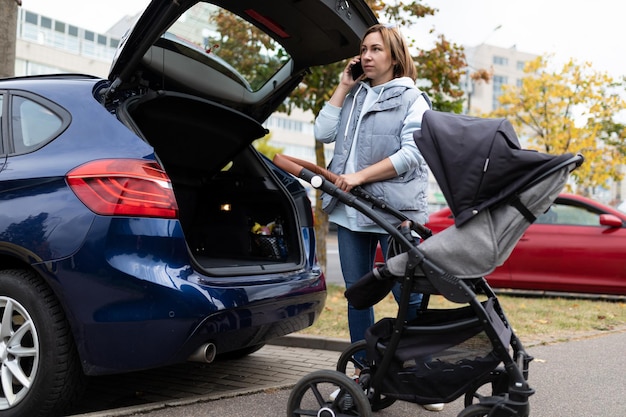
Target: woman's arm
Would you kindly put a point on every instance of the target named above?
(382, 170)
(327, 121)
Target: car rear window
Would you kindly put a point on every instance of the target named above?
(34, 121)
(231, 41)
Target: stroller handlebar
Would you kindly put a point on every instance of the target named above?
(324, 179)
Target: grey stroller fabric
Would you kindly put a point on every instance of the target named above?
(480, 245)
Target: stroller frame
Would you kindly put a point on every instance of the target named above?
(508, 383)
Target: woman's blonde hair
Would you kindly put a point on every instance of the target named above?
(395, 43)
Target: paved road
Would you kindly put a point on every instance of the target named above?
(581, 378)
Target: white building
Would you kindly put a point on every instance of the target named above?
(45, 46)
(507, 66)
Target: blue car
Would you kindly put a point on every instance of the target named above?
(139, 227)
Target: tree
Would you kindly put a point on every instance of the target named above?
(8, 30)
(262, 145)
(251, 51)
(439, 70)
(571, 110)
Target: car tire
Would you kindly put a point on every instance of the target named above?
(38, 356)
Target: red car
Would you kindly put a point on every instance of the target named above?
(579, 245)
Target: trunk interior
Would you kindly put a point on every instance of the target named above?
(222, 185)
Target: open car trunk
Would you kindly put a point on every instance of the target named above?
(223, 186)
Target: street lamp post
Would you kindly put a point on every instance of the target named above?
(469, 84)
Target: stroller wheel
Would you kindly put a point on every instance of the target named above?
(316, 395)
(354, 361)
(493, 384)
(475, 410)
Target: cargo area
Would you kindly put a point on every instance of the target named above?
(223, 187)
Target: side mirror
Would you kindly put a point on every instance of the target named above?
(610, 220)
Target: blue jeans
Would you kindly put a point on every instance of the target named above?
(357, 251)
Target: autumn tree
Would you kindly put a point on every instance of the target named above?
(571, 110)
(251, 51)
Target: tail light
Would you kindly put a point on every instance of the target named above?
(124, 187)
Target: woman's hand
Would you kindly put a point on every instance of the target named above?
(345, 84)
(346, 182)
(380, 171)
(346, 75)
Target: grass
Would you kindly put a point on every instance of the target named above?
(534, 319)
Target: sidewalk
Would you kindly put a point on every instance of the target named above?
(564, 384)
(276, 366)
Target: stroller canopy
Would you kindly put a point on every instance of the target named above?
(478, 162)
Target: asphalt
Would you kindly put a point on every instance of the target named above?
(268, 374)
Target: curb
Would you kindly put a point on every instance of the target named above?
(311, 342)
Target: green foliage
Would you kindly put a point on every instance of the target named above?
(442, 68)
(251, 51)
(262, 145)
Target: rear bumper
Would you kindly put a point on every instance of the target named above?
(123, 324)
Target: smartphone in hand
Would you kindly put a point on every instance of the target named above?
(357, 70)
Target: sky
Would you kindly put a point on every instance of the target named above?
(585, 31)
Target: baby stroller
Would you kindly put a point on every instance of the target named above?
(495, 190)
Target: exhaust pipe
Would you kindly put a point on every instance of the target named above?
(205, 353)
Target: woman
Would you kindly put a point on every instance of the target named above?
(371, 119)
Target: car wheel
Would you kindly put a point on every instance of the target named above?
(40, 372)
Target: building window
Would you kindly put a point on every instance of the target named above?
(498, 82)
(33, 68)
(46, 31)
(500, 60)
(521, 65)
(30, 18)
(46, 22)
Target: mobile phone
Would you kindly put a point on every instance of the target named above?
(357, 70)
